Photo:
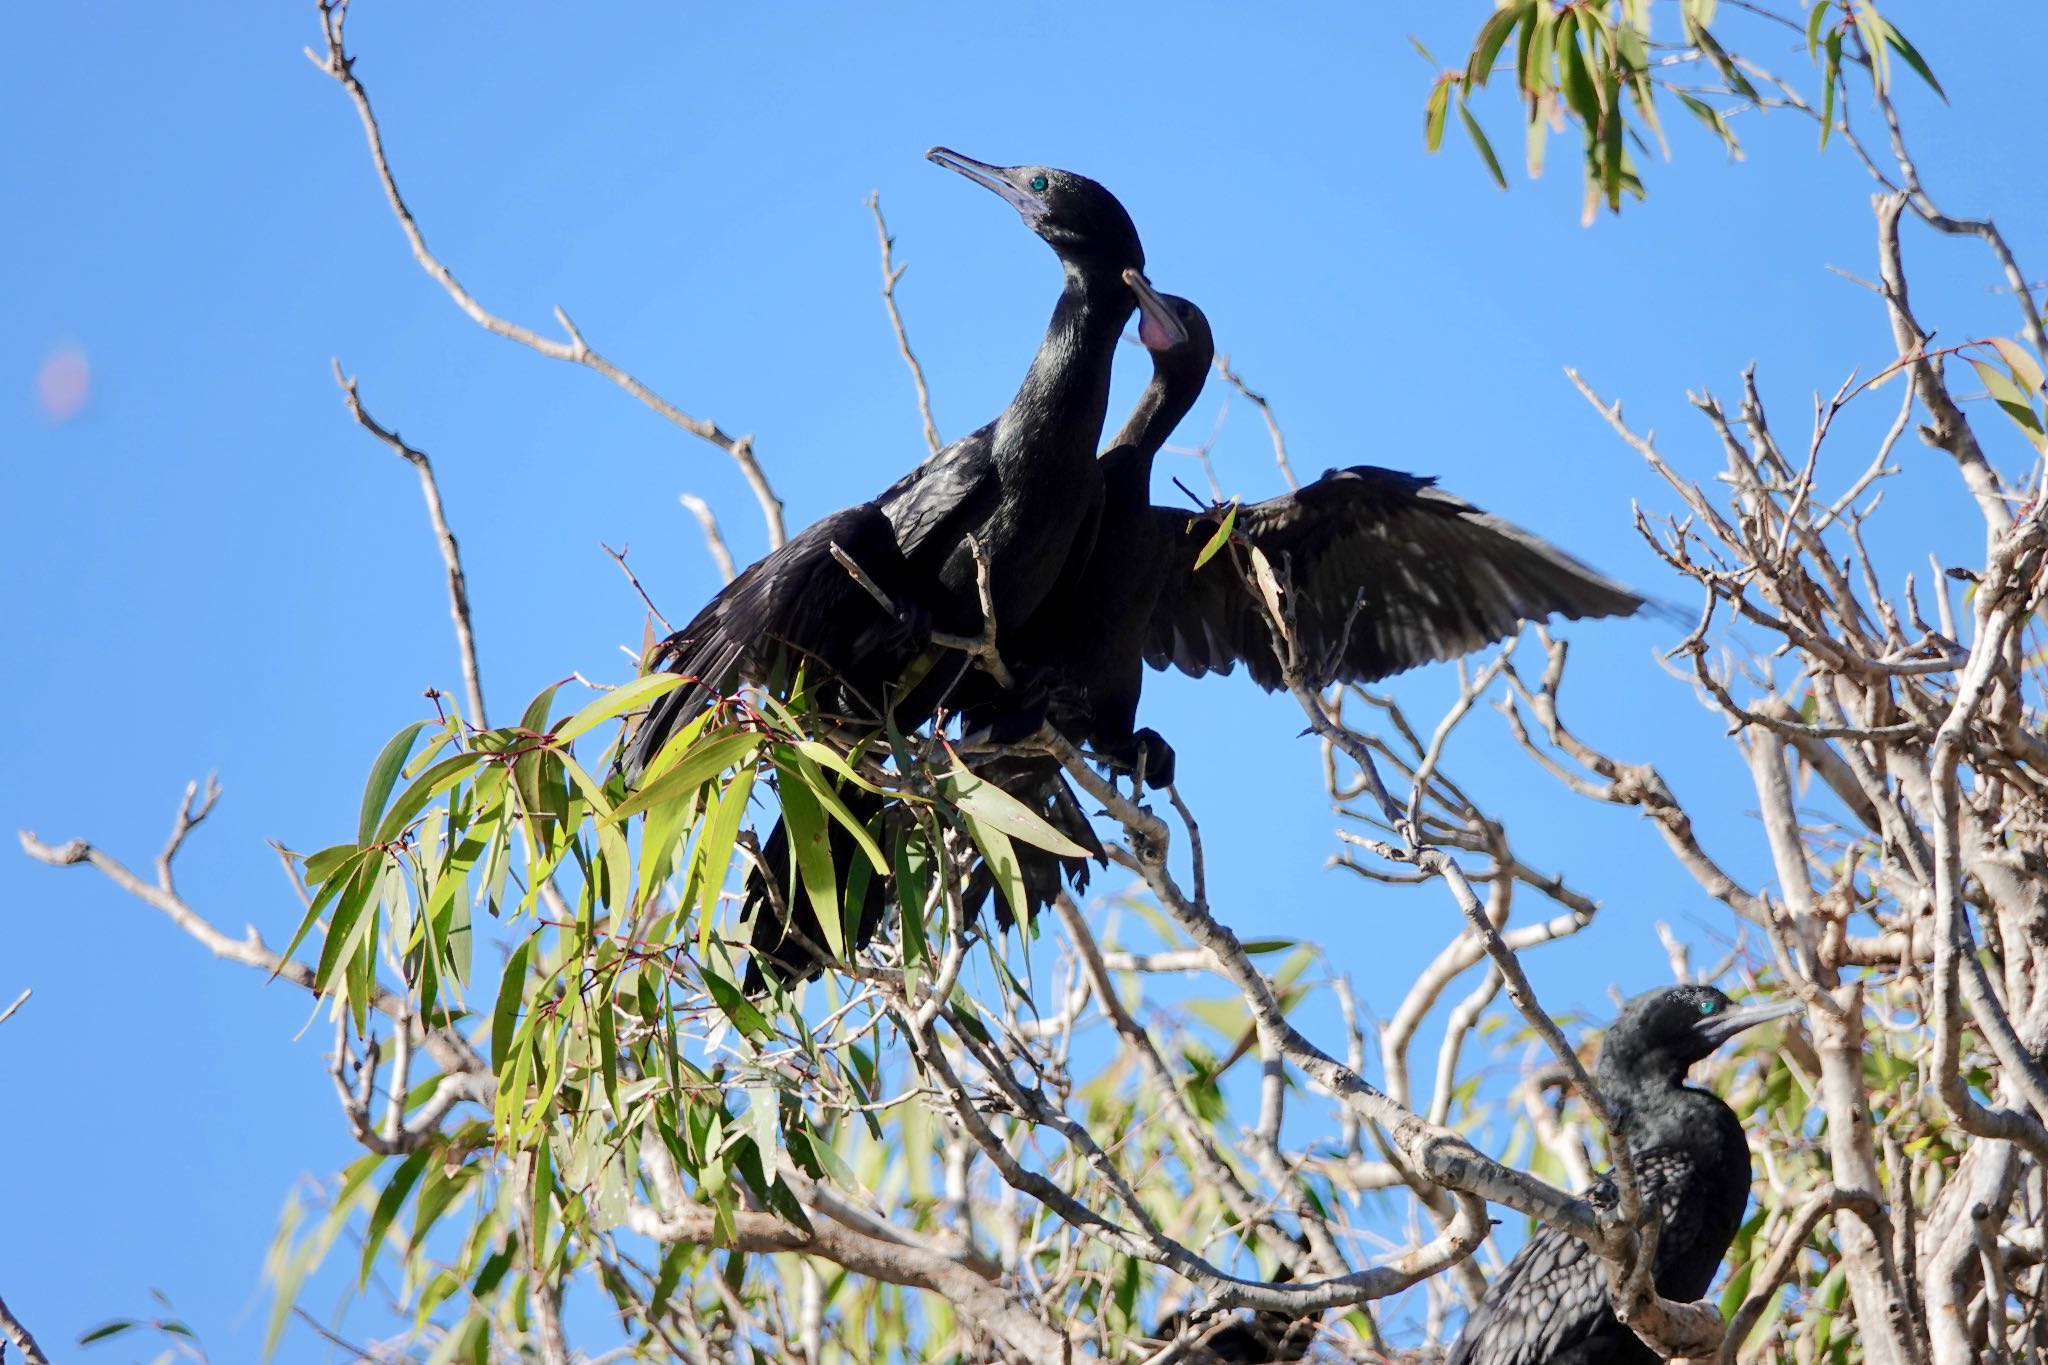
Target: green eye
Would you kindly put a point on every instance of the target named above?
(1709, 1006)
(1038, 184)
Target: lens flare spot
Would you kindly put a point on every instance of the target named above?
(63, 383)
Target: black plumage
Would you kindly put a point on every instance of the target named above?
(1380, 570)
(1550, 1306)
(1024, 488)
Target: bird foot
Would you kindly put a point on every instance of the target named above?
(1145, 755)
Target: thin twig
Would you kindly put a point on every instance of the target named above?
(714, 539)
(891, 273)
(336, 62)
(451, 554)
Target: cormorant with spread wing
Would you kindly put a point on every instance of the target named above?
(1380, 571)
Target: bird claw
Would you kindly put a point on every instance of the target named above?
(1146, 752)
(1154, 758)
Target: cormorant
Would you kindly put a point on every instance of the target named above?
(1386, 572)
(1024, 488)
(1550, 1306)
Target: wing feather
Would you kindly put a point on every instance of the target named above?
(1384, 571)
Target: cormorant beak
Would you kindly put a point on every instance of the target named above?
(1159, 329)
(998, 178)
(1717, 1029)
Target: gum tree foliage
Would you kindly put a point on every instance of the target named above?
(541, 1043)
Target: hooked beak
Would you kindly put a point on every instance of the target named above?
(996, 178)
(1159, 329)
(1719, 1028)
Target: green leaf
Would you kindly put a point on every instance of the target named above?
(1869, 29)
(1229, 522)
(714, 851)
(511, 993)
(432, 783)
(821, 787)
(1001, 856)
(383, 776)
(621, 699)
(1576, 78)
(350, 924)
(337, 880)
(991, 805)
(1831, 77)
(536, 717)
(810, 840)
(1910, 53)
(2025, 369)
(1432, 138)
(1815, 17)
(1493, 35)
(745, 1016)
(836, 1169)
(912, 867)
(608, 1046)
(697, 767)
(2010, 397)
(828, 757)
(1485, 148)
(105, 1330)
(402, 1180)
(1713, 118)
(324, 864)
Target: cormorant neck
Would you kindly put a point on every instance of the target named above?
(1654, 1107)
(1066, 390)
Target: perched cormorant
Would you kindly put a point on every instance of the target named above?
(1024, 488)
(1386, 573)
(1550, 1306)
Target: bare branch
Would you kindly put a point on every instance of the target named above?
(18, 1333)
(891, 273)
(336, 61)
(451, 555)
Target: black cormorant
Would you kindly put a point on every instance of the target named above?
(1550, 1306)
(1024, 488)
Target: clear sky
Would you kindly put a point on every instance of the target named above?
(210, 567)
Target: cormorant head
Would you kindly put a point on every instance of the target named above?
(1174, 330)
(1663, 1033)
(1078, 218)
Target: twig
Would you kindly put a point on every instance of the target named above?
(891, 273)
(1258, 400)
(337, 63)
(451, 555)
(19, 1001)
(619, 558)
(714, 539)
(18, 1333)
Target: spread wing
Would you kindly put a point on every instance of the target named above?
(1384, 571)
(1552, 1296)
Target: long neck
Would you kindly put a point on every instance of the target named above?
(1065, 394)
(1176, 383)
(1656, 1109)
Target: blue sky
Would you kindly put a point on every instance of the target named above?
(212, 568)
